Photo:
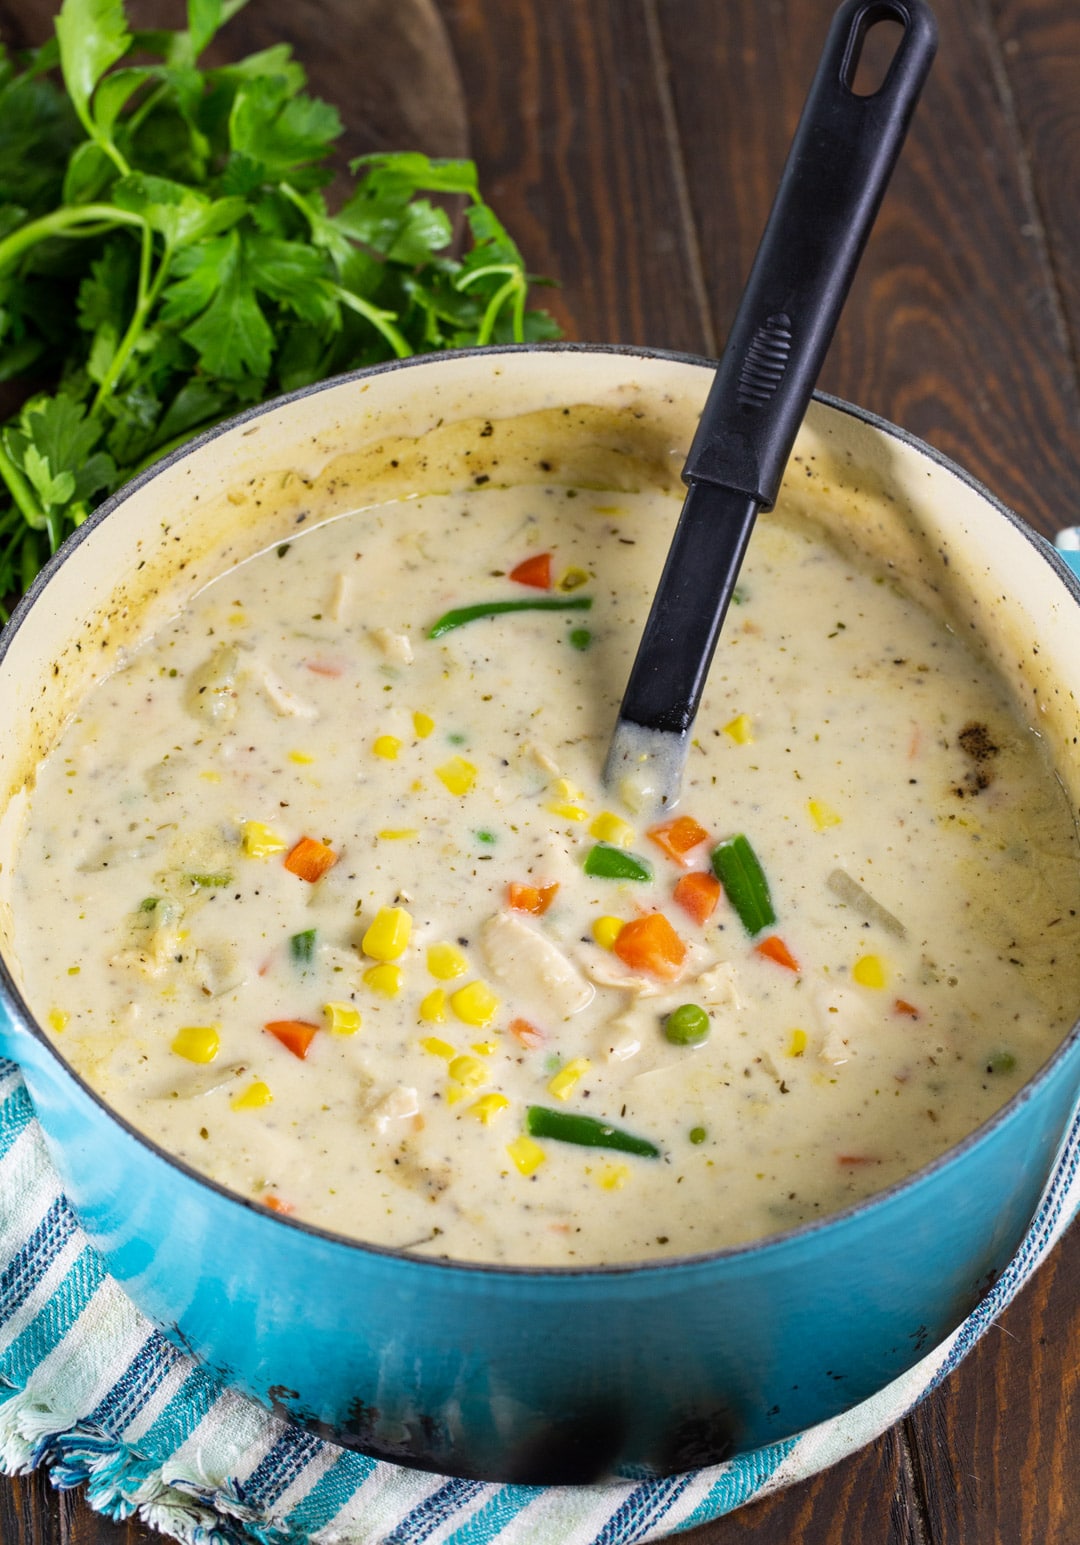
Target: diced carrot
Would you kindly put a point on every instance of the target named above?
(296, 1035)
(698, 894)
(531, 898)
(275, 1204)
(902, 1006)
(774, 948)
(323, 667)
(651, 944)
(678, 836)
(310, 859)
(527, 1034)
(853, 1160)
(535, 571)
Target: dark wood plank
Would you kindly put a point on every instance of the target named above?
(951, 327)
(1040, 70)
(568, 113)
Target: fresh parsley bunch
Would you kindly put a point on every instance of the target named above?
(167, 257)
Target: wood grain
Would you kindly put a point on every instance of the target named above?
(951, 328)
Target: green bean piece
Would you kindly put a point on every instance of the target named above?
(302, 947)
(210, 881)
(607, 862)
(463, 614)
(688, 1025)
(586, 1131)
(736, 866)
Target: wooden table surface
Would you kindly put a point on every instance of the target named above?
(632, 147)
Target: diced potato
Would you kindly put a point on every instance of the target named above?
(394, 646)
(210, 692)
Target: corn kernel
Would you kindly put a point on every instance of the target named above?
(211, 776)
(423, 724)
(387, 746)
(254, 1097)
(822, 814)
(58, 1019)
(343, 1018)
(562, 788)
(398, 834)
(475, 1004)
(433, 1007)
(446, 961)
(605, 930)
(797, 1045)
(568, 1077)
(436, 1047)
(455, 1093)
(487, 1106)
(869, 971)
(612, 1177)
(468, 1071)
(740, 729)
(197, 1043)
(457, 775)
(385, 980)
(388, 936)
(301, 757)
(612, 829)
(567, 812)
(526, 1154)
(485, 1048)
(573, 579)
(258, 841)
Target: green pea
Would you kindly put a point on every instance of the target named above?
(698, 1134)
(1001, 1062)
(688, 1025)
(580, 638)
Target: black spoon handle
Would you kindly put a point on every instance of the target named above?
(840, 161)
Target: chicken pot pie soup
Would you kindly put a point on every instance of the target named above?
(320, 887)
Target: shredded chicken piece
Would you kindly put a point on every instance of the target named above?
(395, 646)
(607, 971)
(340, 597)
(400, 1103)
(841, 1016)
(716, 987)
(284, 702)
(524, 958)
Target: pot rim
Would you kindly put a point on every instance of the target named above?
(11, 998)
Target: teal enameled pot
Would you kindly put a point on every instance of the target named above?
(512, 1373)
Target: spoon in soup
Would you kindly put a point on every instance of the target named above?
(839, 164)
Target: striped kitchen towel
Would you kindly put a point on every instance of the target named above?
(89, 1388)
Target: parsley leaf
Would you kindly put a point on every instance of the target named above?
(167, 256)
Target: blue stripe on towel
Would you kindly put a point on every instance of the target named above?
(334, 1488)
(279, 1467)
(498, 1511)
(16, 1114)
(433, 1511)
(155, 1359)
(740, 1479)
(644, 1507)
(54, 1319)
(27, 1267)
(198, 1394)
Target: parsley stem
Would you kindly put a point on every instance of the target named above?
(513, 285)
(64, 222)
(21, 491)
(383, 320)
(148, 294)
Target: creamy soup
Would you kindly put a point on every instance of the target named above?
(321, 888)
